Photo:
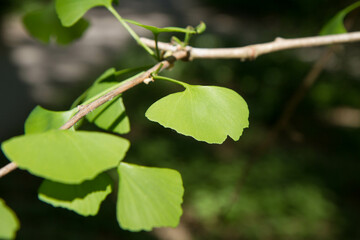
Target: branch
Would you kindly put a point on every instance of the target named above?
(247, 52)
(85, 109)
(253, 51)
(7, 169)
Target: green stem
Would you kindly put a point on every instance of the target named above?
(187, 37)
(175, 39)
(156, 46)
(129, 29)
(185, 85)
(156, 72)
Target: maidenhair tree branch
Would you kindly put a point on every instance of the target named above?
(85, 109)
(247, 52)
(7, 169)
(253, 51)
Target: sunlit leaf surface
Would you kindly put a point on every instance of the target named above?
(42, 120)
(207, 113)
(70, 11)
(9, 223)
(66, 156)
(148, 197)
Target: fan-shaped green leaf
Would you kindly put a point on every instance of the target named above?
(148, 197)
(66, 156)
(110, 116)
(42, 120)
(43, 24)
(9, 223)
(207, 113)
(84, 199)
(157, 30)
(70, 11)
(336, 24)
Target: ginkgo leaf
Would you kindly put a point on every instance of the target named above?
(207, 113)
(44, 25)
(42, 120)
(70, 11)
(9, 223)
(111, 115)
(84, 199)
(336, 24)
(148, 197)
(66, 156)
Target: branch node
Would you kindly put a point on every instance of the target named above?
(188, 57)
(148, 80)
(253, 53)
(80, 107)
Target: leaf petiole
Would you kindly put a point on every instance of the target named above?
(175, 40)
(156, 72)
(157, 47)
(188, 36)
(185, 85)
(130, 30)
